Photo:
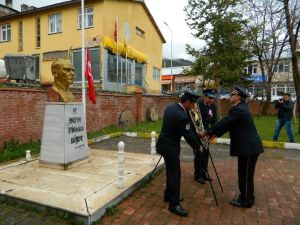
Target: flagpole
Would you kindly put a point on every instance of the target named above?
(117, 53)
(126, 66)
(83, 59)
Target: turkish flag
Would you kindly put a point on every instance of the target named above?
(116, 30)
(89, 76)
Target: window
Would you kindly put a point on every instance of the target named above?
(275, 68)
(20, 36)
(280, 89)
(55, 54)
(280, 68)
(37, 66)
(38, 32)
(111, 68)
(286, 68)
(156, 74)
(88, 17)
(140, 32)
(5, 32)
(55, 23)
(139, 74)
(255, 68)
(95, 63)
(113, 76)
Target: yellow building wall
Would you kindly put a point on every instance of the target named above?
(105, 13)
(150, 45)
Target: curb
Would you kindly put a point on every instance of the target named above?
(226, 141)
(267, 144)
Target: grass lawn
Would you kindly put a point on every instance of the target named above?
(265, 126)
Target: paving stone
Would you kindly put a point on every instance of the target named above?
(277, 190)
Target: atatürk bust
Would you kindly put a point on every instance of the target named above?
(63, 72)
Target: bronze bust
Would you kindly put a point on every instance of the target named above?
(63, 72)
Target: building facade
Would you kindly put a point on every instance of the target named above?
(54, 31)
(177, 78)
(282, 80)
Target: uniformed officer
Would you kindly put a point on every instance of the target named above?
(208, 112)
(245, 143)
(176, 124)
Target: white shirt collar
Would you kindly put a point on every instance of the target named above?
(182, 106)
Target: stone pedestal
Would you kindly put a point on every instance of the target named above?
(64, 140)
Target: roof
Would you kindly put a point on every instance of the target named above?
(71, 2)
(8, 8)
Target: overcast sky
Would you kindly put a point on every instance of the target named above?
(161, 10)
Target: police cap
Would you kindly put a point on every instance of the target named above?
(210, 93)
(240, 91)
(191, 96)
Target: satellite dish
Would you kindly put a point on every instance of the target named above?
(127, 31)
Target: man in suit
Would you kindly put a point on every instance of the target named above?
(245, 143)
(176, 124)
(208, 112)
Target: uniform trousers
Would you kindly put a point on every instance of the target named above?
(173, 172)
(200, 163)
(246, 169)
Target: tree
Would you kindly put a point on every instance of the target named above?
(292, 16)
(223, 29)
(269, 39)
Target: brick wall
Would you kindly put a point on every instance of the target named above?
(22, 110)
(254, 107)
(21, 114)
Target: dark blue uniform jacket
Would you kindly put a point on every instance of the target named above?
(244, 139)
(176, 124)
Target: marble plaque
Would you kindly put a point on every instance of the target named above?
(64, 139)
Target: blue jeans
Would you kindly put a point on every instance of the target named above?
(288, 128)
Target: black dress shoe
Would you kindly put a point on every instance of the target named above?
(240, 203)
(166, 199)
(207, 179)
(178, 210)
(199, 180)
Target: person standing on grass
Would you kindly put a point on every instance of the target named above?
(285, 108)
(245, 143)
(176, 124)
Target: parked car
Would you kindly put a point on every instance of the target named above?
(225, 96)
(274, 98)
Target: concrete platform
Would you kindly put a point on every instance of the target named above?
(84, 191)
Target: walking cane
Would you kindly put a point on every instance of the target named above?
(212, 188)
(154, 169)
(209, 179)
(212, 162)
